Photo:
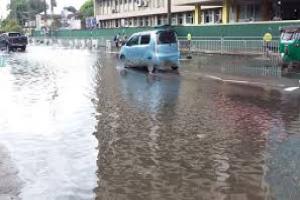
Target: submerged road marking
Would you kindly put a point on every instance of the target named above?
(291, 89)
(112, 52)
(244, 82)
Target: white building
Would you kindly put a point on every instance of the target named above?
(139, 13)
(45, 21)
(70, 20)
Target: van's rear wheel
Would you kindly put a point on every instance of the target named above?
(151, 68)
(123, 61)
(174, 67)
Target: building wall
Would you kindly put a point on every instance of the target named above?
(234, 10)
(40, 23)
(143, 13)
(135, 13)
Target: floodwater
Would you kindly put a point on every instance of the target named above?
(75, 125)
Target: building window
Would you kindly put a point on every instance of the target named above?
(164, 19)
(249, 12)
(147, 21)
(180, 18)
(140, 21)
(135, 22)
(189, 18)
(217, 16)
(208, 16)
(174, 19)
(158, 3)
(130, 22)
(159, 20)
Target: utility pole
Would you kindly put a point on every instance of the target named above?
(45, 13)
(169, 13)
(52, 4)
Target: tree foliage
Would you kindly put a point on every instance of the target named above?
(22, 10)
(87, 9)
(8, 25)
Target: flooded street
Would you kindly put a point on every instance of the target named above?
(75, 125)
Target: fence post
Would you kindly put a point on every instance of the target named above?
(222, 45)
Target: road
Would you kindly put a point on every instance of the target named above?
(75, 124)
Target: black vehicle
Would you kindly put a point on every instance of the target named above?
(12, 41)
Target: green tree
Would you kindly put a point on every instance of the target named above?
(9, 25)
(22, 10)
(18, 10)
(36, 7)
(87, 9)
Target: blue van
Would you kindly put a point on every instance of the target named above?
(152, 49)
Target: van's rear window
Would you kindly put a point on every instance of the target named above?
(14, 34)
(167, 37)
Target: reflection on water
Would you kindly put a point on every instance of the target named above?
(47, 122)
(150, 93)
(162, 137)
(182, 138)
(258, 69)
(238, 65)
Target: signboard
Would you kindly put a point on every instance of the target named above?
(90, 22)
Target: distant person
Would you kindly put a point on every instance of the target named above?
(189, 43)
(189, 39)
(125, 37)
(117, 40)
(267, 42)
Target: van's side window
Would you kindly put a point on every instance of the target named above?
(145, 39)
(133, 41)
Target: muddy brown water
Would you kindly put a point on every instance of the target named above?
(75, 125)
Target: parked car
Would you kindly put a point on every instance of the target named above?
(156, 49)
(12, 41)
(290, 46)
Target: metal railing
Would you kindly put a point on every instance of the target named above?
(201, 45)
(229, 46)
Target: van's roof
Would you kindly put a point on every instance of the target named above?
(152, 31)
(294, 28)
